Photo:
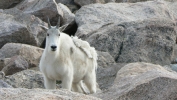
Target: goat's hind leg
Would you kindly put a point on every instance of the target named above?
(90, 81)
(49, 84)
(78, 87)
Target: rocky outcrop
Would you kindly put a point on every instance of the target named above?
(18, 27)
(41, 9)
(30, 53)
(138, 81)
(101, 15)
(47, 8)
(87, 2)
(40, 94)
(141, 32)
(104, 59)
(4, 85)
(15, 64)
(3, 62)
(26, 79)
(5, 4)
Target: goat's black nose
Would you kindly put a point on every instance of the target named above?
(53, 47)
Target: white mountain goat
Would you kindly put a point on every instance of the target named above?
(68, 59)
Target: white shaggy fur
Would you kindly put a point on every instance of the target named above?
(72, 61)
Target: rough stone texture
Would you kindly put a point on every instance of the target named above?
(107, 69)
(70, 4)
(174, 57)
(68, 16)
(26, 79)
(101, 15)
(150, 41)
(18, 27)
(65, 1)
(104, 59)
(134, 1)
(141, 32)
(5, 4)
(3, 62)
(172, 67)
(30, 53)
(172, 8)
(41, 94)
(4, 84)
(106, 76)
(15, 64)
(87, 2)
(142, 81)
(42, 9)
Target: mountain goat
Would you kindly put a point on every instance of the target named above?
(68, 59)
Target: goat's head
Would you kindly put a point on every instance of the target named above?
(53, 36)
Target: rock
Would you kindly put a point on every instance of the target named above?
(152, 41)
(20, 28)
(87, 2)
(26, 79)
(107, 70)
(174, 57)
(41, 94)
(172, 8)
(70, 4)
(147, 35)
(173, 67)
(15, 64)
(42, 9)
(65, 1)
(4, 84)
(3, 62)
(134, 1)
(104, 59)
(68, 16)
(149, 41)
(106, 76)
(30, 53)
(101, 15)
(142, 81)
(5, 4)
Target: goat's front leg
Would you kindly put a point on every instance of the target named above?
(67, 81)
(49, 84)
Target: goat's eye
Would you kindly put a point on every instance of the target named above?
(58, 34)
(47, 34)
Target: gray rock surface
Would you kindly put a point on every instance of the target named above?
(87, 2)
(31, 54)
(141, 32)
(3, 62)
(26, 79)
(41, 94)
(142, 81)
(15, 64)
(4, 84)
(5, 4)
(68, 16)
(104, 59)
(18, 27)
(101, 15)
(42, 9)
(106, 76)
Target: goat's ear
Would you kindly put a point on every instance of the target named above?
(44, 27)
(63, 27)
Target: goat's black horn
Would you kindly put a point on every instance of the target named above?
(49, 25)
